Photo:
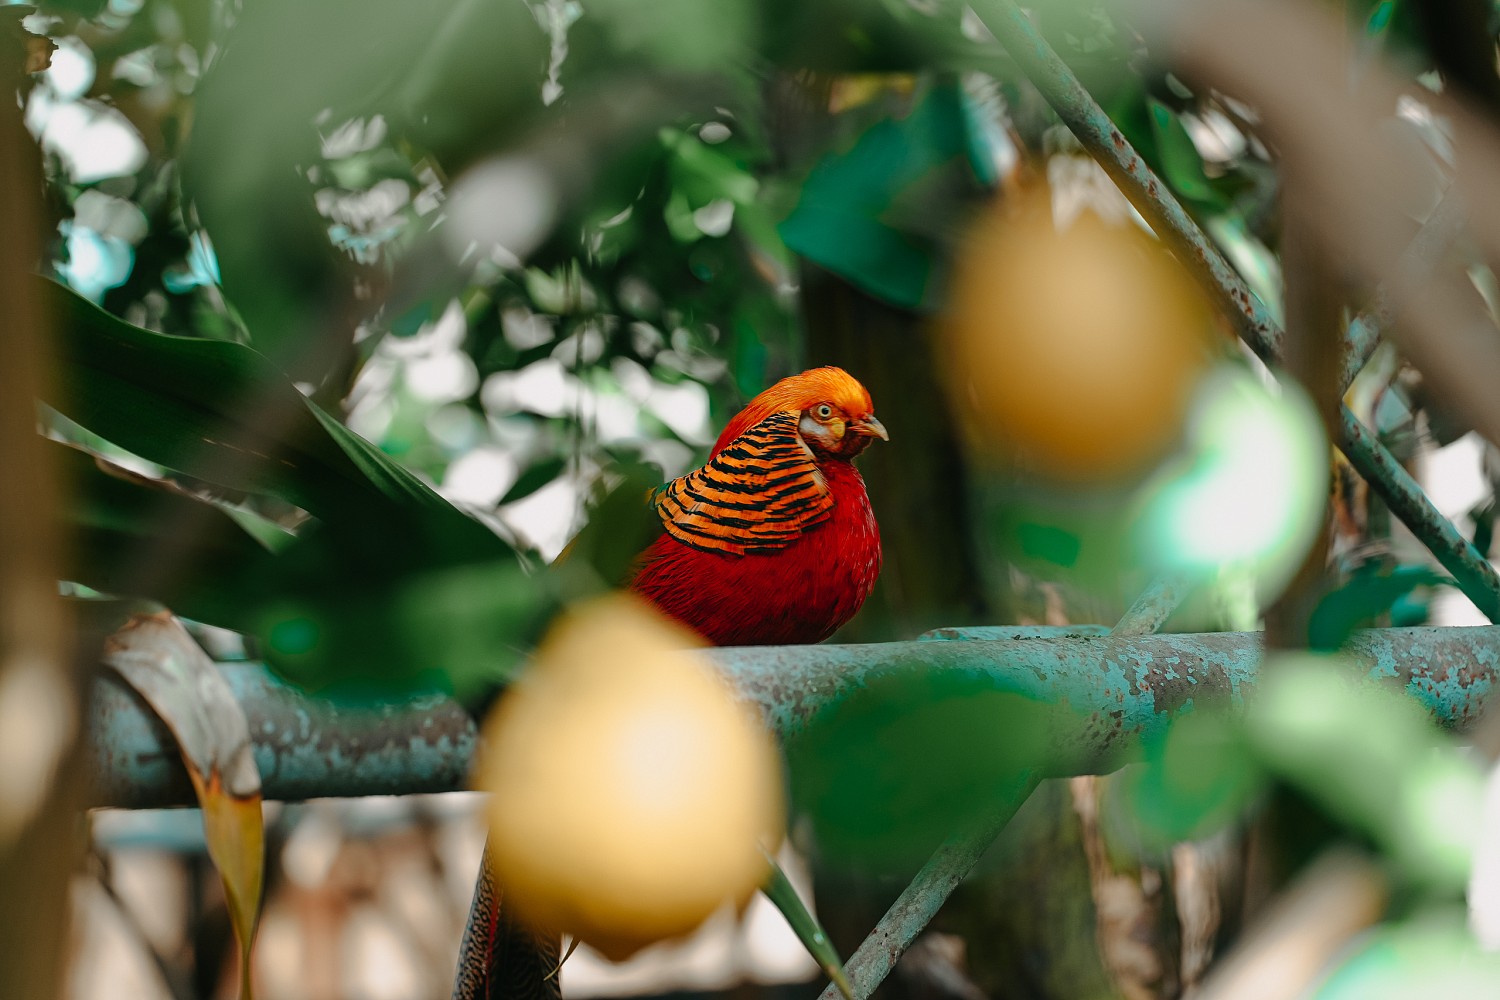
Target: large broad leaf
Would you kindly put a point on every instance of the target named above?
(889, 772)
(120, 524)
(392, 587)
(857, 216)
(220, 412)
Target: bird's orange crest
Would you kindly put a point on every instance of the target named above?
(795, 394)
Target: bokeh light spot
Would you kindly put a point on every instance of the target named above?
(1253, 489)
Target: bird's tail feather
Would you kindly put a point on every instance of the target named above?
(500, 957)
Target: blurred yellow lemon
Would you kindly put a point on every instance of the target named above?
(630, 791)
(1074, 349)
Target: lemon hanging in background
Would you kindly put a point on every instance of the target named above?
(630, 791)
(1073, 349)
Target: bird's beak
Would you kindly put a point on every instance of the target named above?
(870, 427)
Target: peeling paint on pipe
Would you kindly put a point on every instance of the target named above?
(1122, 687)
(305, 746)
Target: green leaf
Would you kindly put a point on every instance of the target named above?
(620, 527)
(704, 174)
(1380, 17)
(1197, 779)
(1372, 758)
(1368, 595)
(453, 79)
(221, 413)
(889, 772)
(391, 588)
(1181, 162)
(844, 220)
(88, 9)
(681, 35)
(1050, 543)
(539, 474)
(462, 629)
(779, 890)
(1432, 953)
(119, 524)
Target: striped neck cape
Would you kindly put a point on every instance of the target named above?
(760, 494)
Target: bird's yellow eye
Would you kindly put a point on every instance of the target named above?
(823, 412)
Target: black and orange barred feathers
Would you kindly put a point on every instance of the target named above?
(760, 494)
(500, 958)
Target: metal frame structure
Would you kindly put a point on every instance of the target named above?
(1123, 684)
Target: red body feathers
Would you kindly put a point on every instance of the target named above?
(773, 541)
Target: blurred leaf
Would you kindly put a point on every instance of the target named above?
(1181, 163)
(703, 174)
(87, 9)
(1373, 759)
(1197, 779)
(1049, 542)
(392, 588)
(456, 77)
(888, 773)
(621, 525)
(852, 36)
(683, 35)
(1380, 17)
(1259, 266)
(474, 83)
(161, 662)
(1368, 595)
(842, 221)
(536, 476)
(119, 522)
(460, 629)
(333, 613)
(1483, 516)
(1430, 955)
(779, 890)
(221, 413)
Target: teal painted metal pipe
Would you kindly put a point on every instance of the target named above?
(1121, 687)
(305, 747)
(1387, 477)
(1254, 323)
(1406, 499)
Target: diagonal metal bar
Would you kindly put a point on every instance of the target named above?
(921, 900)
(1406, 499)
(1253, 322)
(1154, 606)
(1401, 493)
